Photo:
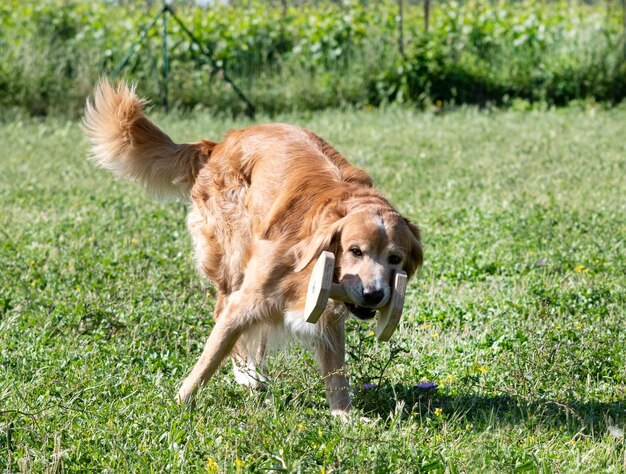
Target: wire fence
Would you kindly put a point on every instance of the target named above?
(245, 56)
(166, 10)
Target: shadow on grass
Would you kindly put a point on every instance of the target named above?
(593, 418)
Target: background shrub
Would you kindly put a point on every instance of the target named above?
(316, 54)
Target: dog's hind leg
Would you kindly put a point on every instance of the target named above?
(248, 353)
(248, 356)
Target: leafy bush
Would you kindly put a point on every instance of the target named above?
(318, 55)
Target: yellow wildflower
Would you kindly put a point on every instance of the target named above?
(211, 466)
(581, 269)
(448, 380)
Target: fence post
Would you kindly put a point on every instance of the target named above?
(166, 61)
(285, 8)
(427, 14)
(400, 28)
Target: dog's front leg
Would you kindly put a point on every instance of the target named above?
(231, 322)
(331, 358)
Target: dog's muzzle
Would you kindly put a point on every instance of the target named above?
(321, 287)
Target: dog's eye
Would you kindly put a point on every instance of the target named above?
(394, 259)
(356, 252)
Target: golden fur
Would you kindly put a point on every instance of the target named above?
(264, 203)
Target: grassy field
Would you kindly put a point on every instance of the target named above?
(518, 315)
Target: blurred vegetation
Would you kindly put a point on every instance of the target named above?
(316, 55)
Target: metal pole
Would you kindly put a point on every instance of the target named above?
(400, 28)
(166, 60)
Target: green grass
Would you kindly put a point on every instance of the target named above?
(518, 314)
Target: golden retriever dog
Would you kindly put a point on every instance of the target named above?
(265, 202)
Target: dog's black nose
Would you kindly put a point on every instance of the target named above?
(372, 298)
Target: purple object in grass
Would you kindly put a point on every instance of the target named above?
(368, 386)
(427, 386)
(541, 263)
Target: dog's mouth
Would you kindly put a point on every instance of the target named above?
(361, 312)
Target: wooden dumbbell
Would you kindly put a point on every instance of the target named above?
(322, 287)
(389, 317)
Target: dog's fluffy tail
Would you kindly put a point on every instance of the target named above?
(125, 142)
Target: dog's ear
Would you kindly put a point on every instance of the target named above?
(416, 254)
(325, 238)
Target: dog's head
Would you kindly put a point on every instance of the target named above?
(370, 243)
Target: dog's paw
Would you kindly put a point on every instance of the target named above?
(340, 414)
(250, 378)
(185, 396)
(350, 417)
